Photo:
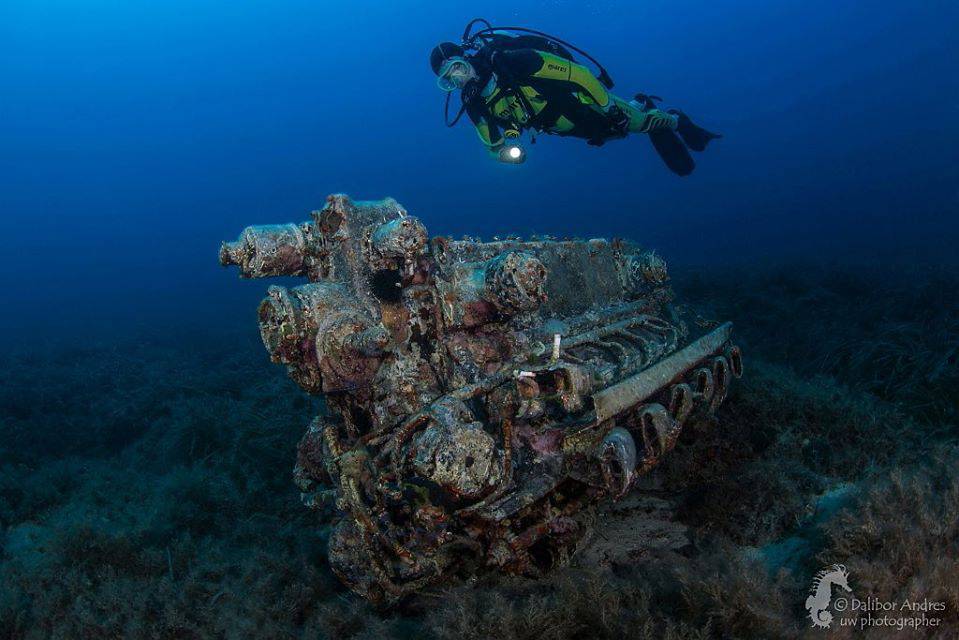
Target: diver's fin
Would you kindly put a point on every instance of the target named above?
(647, 101)
(695, 137)
(673, 152)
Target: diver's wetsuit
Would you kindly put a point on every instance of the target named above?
(529, 88)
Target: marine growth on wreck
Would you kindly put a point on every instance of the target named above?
(482, 397)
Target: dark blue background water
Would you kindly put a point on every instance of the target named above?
(134, 136)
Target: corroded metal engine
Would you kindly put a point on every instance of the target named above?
(482, 396)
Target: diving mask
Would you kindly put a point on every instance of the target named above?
(454, 74)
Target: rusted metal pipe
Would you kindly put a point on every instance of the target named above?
(626, 394)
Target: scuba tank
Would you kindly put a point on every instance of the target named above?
(545, 42)
(489, 40)
(500, 42)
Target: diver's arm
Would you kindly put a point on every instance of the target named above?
(532, 63)
(489, 134)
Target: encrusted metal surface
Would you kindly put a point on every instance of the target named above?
(482, 397)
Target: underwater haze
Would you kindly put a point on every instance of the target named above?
(147, 442)
(134, 136)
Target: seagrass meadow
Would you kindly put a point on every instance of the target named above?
(146, 489)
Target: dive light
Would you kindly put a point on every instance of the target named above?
(512, 154)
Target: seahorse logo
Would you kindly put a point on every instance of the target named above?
(821, 594)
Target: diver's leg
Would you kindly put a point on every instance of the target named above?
(643, 120)
(644, 117)
(660, 127)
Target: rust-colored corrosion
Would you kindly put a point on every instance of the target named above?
(483, 396)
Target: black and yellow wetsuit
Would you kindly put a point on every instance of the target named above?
(533, 89)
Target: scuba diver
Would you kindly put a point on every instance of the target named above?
(513, 83)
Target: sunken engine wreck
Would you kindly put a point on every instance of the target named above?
(481, 397)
